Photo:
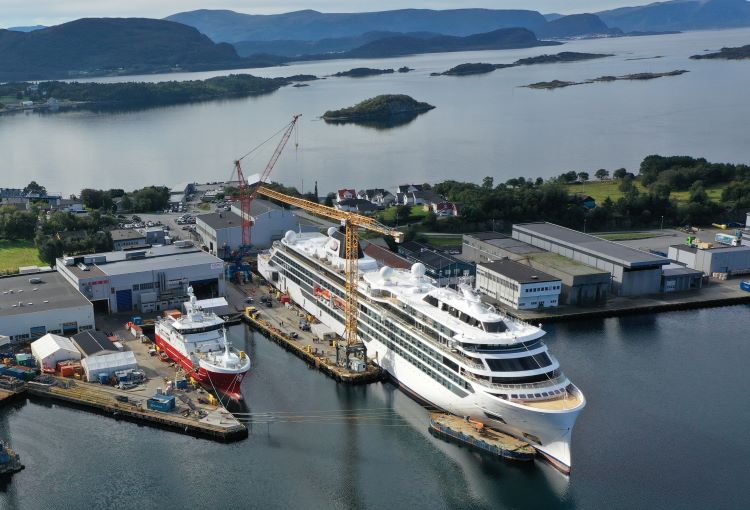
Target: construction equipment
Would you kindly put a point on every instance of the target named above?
(247, 193)
(351, 222)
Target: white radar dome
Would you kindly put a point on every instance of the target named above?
(290, 236)
(418, 270)
(386, 272)
(331, 231)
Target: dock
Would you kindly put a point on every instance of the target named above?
(216, 423)
(485, 439)
(8, 395)
(714, 294)
(279, 322)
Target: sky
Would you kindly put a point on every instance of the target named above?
(53, 12)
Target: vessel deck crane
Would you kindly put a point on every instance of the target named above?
(351, 222)
(246, 195)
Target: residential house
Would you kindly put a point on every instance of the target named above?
(444, 209)
(409, 188)
(378, 196)
(358, 205)
(345, 194)
(425, 197)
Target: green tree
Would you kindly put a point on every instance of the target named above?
(488, 182)
(583, 176)
(329, 199)
(602, 174)
(620, 173)
(16, 224)
(35, 188)
(698, 194)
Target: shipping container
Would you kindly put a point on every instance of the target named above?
(161, 403)
(181, 384)
(103, 378)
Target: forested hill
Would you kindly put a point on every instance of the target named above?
(96, 46)
(229, 26)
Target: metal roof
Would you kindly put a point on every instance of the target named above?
(486, 236)
(52, 293)
(591, 245)
(517, 271)
(120, 234)
(91, 342)
(220, 220)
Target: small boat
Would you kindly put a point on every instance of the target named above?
(745, 285)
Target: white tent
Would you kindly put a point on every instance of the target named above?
(108, 364)
(51, 349)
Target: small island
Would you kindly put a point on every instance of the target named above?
(405, 69)
(484, 68)
(739, 53)
(558, 84)
(383, 108)
(361, 72)
(562, 57)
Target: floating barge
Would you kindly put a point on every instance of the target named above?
(10, 462)
(219, 425)
(447, 426)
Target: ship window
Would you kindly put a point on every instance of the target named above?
(495, 327)
(432, 300)
(534, 362)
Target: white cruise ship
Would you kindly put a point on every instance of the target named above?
(445, 347)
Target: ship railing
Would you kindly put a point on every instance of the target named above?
(555, 381)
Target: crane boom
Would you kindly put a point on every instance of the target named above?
(351, 222)
(246, 198)
(357, 220)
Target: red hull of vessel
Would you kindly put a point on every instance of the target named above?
(226, 384)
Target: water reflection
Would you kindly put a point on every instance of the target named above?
(391, 122)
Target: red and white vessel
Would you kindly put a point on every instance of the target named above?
(198, 341)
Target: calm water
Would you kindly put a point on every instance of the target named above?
(665, 427)
(483, 125)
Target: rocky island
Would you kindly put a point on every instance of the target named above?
(483, 68)
(385, 110)
(739, 53)
(361, 72)
(558, 84)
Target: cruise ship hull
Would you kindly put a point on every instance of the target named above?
(225, 383)
(549, 432)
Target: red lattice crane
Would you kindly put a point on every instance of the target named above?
(247, 193)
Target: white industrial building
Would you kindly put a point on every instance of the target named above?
(517, 285)
(52, 349)
(725, 259)
(634, 272)
(221, 232)
(108, 364)
(147, 280)
(32, 305)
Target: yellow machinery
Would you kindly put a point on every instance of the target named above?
(352, 222)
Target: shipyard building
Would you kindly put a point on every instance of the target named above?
(445, 269)
(517, 285)
(634, 272)
(720, 259)
(221, 232)
(148, 280)
(32, 305)
(580, 284)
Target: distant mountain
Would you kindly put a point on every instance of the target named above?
(98, 46)
(308, 25)
(680, 15)
(576, 25)
(504, 38)
(552, 16)
(292, 48)
(26, 29)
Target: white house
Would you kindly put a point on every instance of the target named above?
(52, 349)
(108, 364)
(345, 194)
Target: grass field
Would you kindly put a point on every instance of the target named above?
(627, 236)
(389, 214)
(443, 241)
(600, 190)
(14, 254)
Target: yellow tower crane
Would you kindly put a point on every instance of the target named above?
(352, 222)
